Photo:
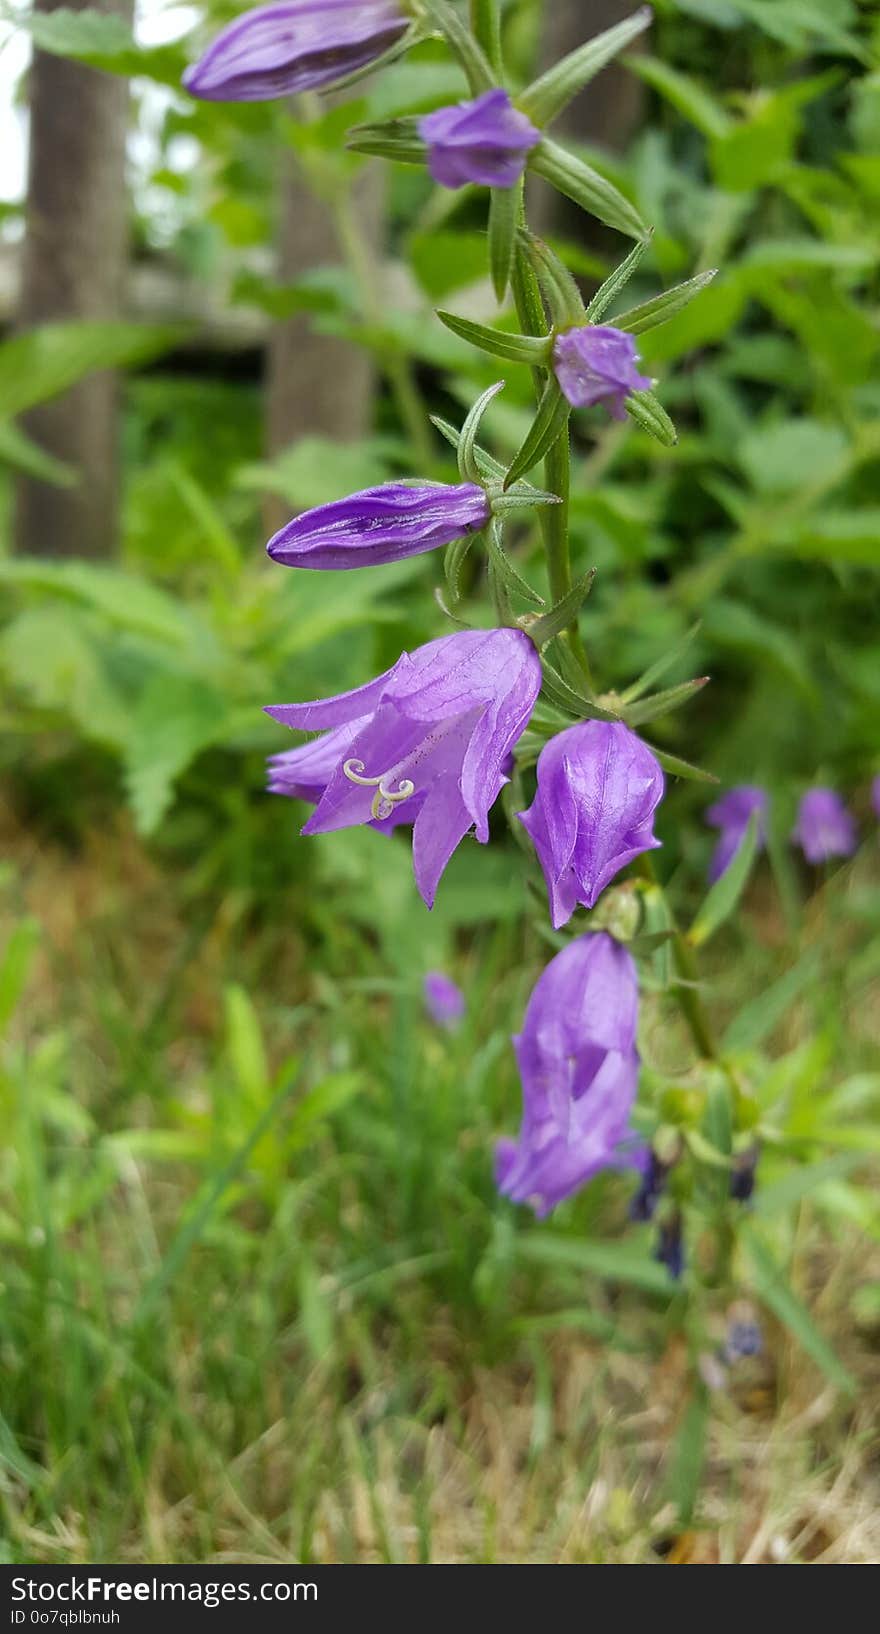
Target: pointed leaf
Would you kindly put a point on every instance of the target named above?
(663, 703)
(647, 316)
(676, 767)
(461, 42)
(510, 576)
(547, 427)
(529, 349)
(397, 139)
(649, 413)
(504, 206)
(467, 464)
(566, 697)
(722, 899)
(554, 90)
(658, 668)
(616, 281)
(594, 193)
(558, 618)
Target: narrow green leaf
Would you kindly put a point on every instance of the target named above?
(467, 463)
(655, 671)
(773, 1288)
(649, 413)
(647, 315)
(40, 363)
(554, 90)
(724, 895)
(617, 280)
(663, 703)
(566, 697)
(396, 139)
(547, 427)
(529, 349)
(558, 618)
(676, 767)
(489, 466)
(509, 575)
(688, 1456)
(463, 45)
(504, 206)
(616, 1262)
(563, 296)
(594, 193)
(23, 454)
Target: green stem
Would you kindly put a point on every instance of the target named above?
(486, 29)
(685, 990)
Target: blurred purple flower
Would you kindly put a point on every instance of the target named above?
(653, 1184)
(382, 524)
(732, 814)
(294, 45)
(579, 1067)
(595, 364)
(444, 1001)
(824, 827)
(670, 1245)
(427, 743)
(484, 142)
(598, 789)
(875, 796)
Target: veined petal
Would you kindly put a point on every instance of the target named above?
(292, 46)
(345, 706)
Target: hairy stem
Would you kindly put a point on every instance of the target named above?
(486, 29)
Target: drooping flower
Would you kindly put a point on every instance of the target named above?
(427, 742)
(579, 1067)
(824, 827)
(382, 524)
(597, 364)
(731, 814)
(444, 1001)
(598, 789)
(294, 45)
(485, 142)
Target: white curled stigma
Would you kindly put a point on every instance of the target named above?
(384, 800)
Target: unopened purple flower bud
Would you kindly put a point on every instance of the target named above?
(579, 1067)
(732, 814)
(382, 524)
(654, 1176)
(670, 1246)
(427, 742)
(742, 1176)
(597, 364)
(294, 45)
(598, 789)
(824, 827)
(444, 1001)
(485, 142)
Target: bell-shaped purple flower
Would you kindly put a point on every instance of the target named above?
(292, 46)
(824, 828)
(731, 814)
(597, 364)
(485, 142)
(443, 1000)
(381, 524)
(427, 742)
(598, 789)
(579, 1067)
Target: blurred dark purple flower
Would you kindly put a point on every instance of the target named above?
(824, 827)
(485, 142)
(732, 814)
(742, 1176)
(596, 364)
(598, 789)
(294, 45)
(427, 743)
(670, 1245)
(382, 524)
(579, 1067)
(444, 1001)
(743, 1339)
(653, 1184)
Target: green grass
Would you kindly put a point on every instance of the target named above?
(260, 1301)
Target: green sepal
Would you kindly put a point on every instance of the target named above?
(663, 703)
(489, 466)
(448, 611)
(547, 626)
(676, 767)
(594, 193)
(397, 139)
(567, 698)
(617, 280)
(649, 413)
(547, 96)
(655, 671)
(529, 349)
(663, 307)
(467, 461)
(547, 427)
(504, 210)
(453, 562)
(504, 569)
(562, 294)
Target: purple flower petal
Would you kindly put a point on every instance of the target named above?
(824, 828)
(444, 1001)
(427, 742)
(383, 524)
(596, 364)
(292, 46)
(875, 796)
(484, 142)
(731, 814)
(579, 1068)
(598, 789)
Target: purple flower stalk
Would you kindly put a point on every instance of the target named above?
(427, 742)
(382, 524)
(295, 45)
(731, 814)
(598, 789)
(485, 142)
(444, 1001)
(824, 828)
(579, 1067)
(596, 364)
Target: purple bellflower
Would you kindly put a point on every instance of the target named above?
(597, 364)
(427, 742)
(382, 524)
(598, 789)
(485, 142)
(443, 1000)
(295, 45)
(824, 828)
(731, 814)
(579, 1067)
(875, 797)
